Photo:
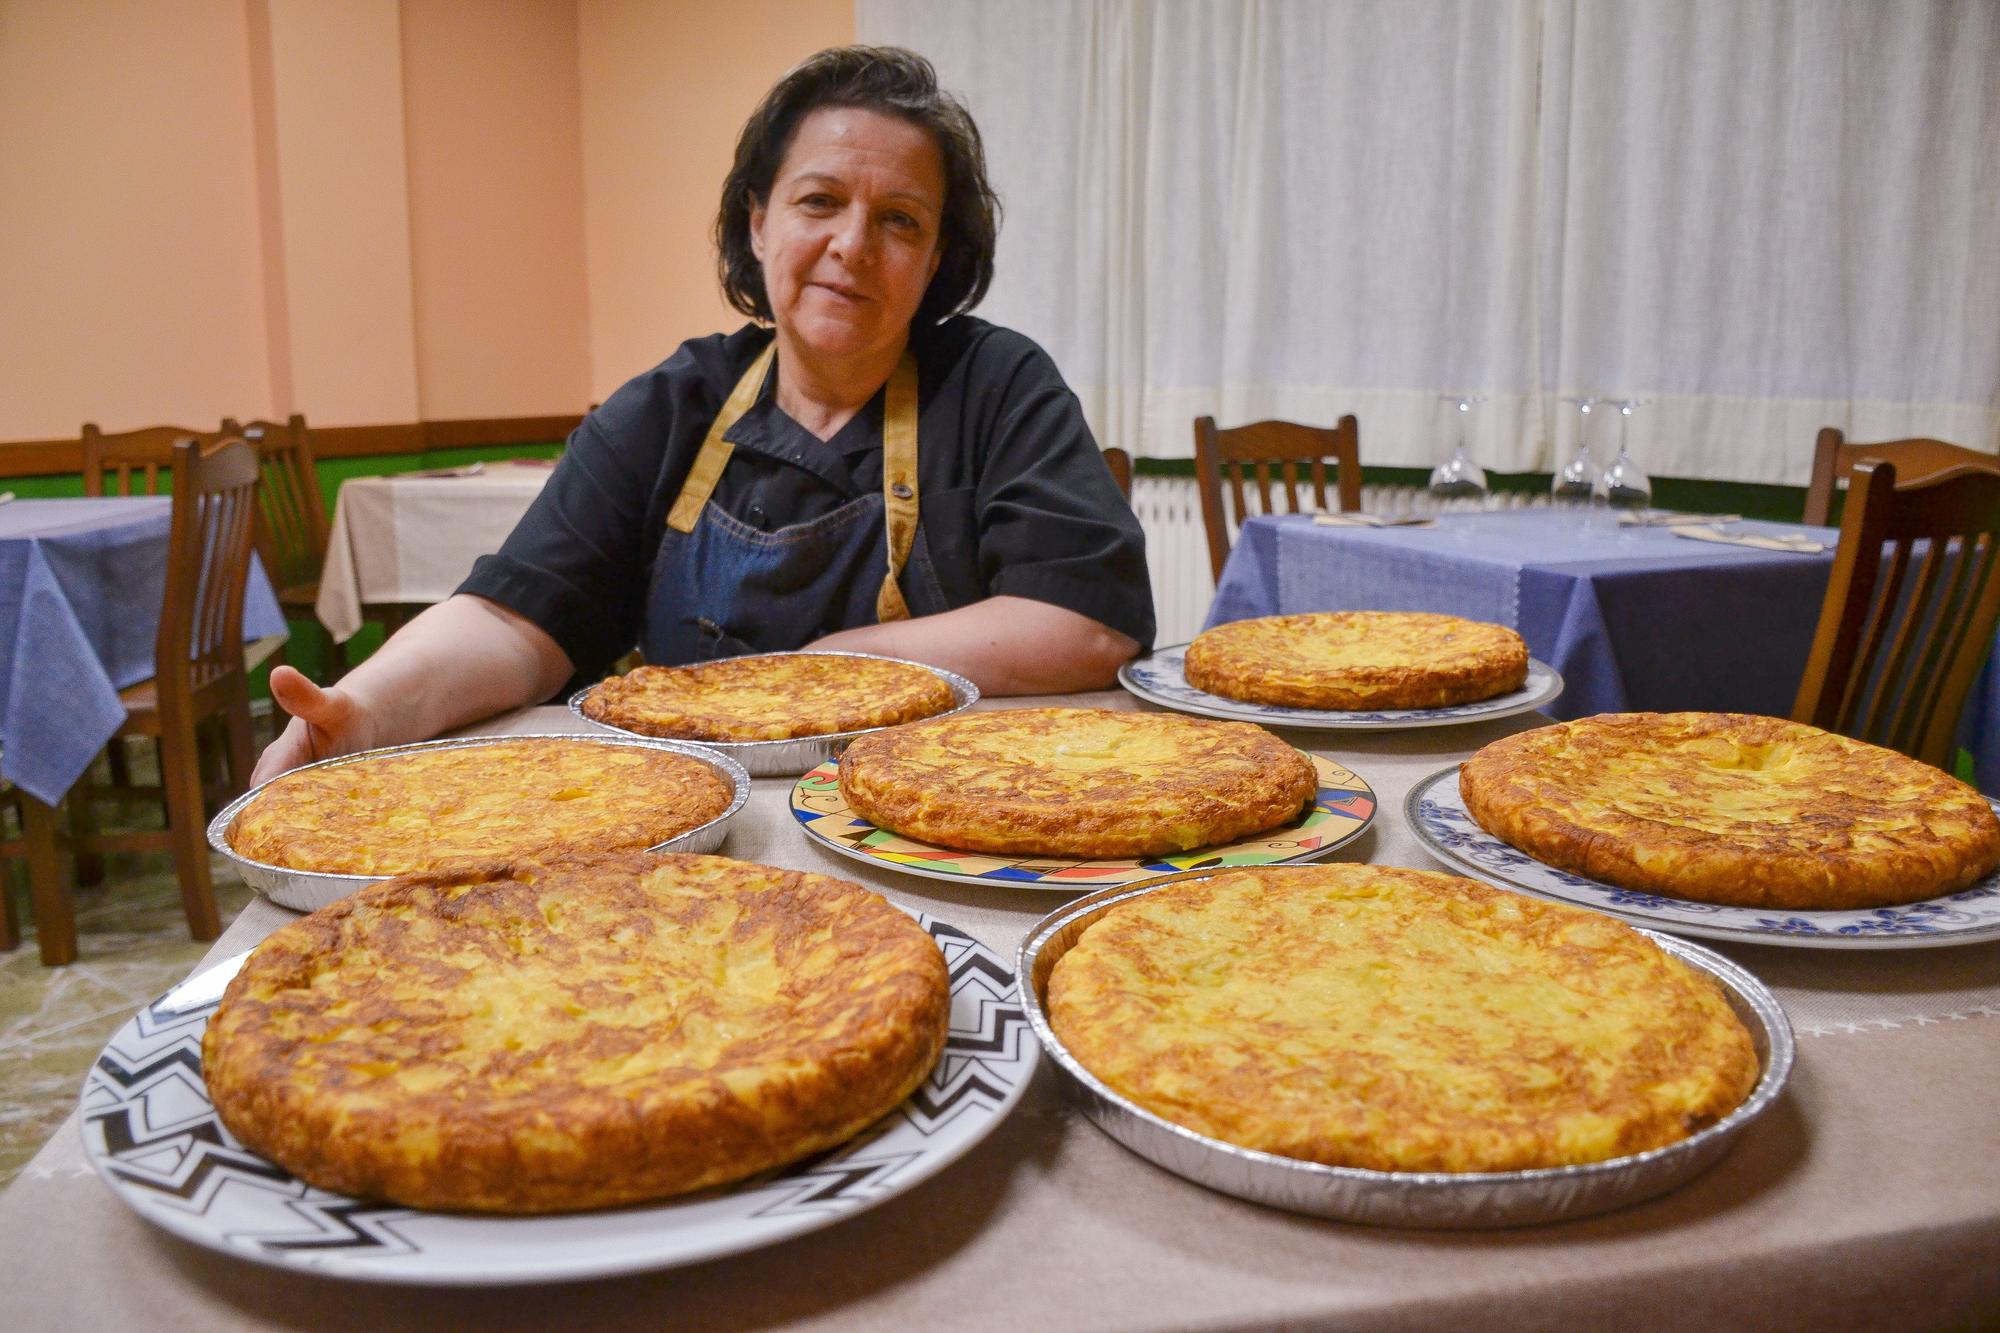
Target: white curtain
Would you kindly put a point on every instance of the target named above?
(1764, 216)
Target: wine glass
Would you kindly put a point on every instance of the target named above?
(1574, 481)
(1459, 482)
(1624, 485)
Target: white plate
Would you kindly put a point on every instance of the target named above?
(1162, 679)
(1437, 815)
(1343, 806)
(153, 1135)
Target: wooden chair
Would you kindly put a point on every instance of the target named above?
(13, 847)
(1120, 464)
(292, 526)
(1255, 448)
(198, 660)
(1834, 460)
(130, 462)
(1909, 611)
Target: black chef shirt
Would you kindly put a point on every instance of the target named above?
(1014, 497)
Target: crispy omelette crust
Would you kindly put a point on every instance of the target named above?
(1083, 782)
(419, 810)
(1398, 1020)
(587, 1031)
(769, 697)
(1732, 808)
(1358, 659)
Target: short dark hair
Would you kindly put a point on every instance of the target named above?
(893, 82)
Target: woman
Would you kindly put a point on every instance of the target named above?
(874, 471)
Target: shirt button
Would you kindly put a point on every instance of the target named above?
(757, 516)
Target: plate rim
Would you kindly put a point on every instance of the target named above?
(1732, 934)
(1043, 886)
(1316, 719)
(936, 1158)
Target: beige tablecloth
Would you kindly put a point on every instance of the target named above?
(1868, 1197)
(412, 539)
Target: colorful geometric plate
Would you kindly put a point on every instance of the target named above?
(1339, 813)
(1162, 679)
(153, 1135)
(1437, 815)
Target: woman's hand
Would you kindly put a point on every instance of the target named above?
(459, 661)
(325, 722)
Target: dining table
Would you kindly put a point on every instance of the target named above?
(1867, 1195)
(82, 585)
(1635, 617)
(409, 540)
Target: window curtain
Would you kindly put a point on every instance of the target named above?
(1760, 216)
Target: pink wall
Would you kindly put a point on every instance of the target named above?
(667, 84)
(493, 103)
(130, 278)
(370, 211)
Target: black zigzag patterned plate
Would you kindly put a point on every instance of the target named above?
(154, 1137)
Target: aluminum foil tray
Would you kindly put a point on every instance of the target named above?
(305, 890)
(790, 758)
(1403, 1198)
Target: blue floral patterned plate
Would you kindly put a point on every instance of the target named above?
(1437, 815)
(1162, 679)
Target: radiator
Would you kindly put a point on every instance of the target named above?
(1169, 509)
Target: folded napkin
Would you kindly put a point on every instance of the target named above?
(1662, 518)
(1371, 521)
(469, 470)
(1787, 542)
(531, 462)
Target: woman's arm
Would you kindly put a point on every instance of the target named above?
(1004, 645)
(459, 661)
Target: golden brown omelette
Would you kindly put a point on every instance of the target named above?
(1358, 659)
(1082, 782)
(418, 809)
(1398, 1020)
(773, 696)
(581, 1032)
(1732, 808)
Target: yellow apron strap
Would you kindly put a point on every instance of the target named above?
(899, 483)
(715, 451)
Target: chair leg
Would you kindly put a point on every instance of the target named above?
(10, 922)
(180, 774)
(333, 661)
(55, 915)
(121, 766)
(240, 739)
(83, 824)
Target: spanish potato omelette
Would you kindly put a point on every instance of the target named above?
(1397, 1020)
(1358, 659)
(1732, 808)
(579, 1032)
(1083, 782)
(771, 696)
(417, 809)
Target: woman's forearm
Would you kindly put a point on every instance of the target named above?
(1004, 645)
(459, 661)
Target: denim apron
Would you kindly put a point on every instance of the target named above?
(722, 588)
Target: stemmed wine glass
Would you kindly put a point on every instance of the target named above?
(1624, 485)
(1458, 478)
(1574, 481)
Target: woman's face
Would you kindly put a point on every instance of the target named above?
(848, 239)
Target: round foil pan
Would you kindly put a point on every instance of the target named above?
(1403, 1198)
(305, 890)
(789, 758)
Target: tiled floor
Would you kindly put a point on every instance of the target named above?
(132, 944)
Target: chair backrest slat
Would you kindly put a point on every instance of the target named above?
(1910, 609)
(208, 562)
(1248, 453)
(291, 515)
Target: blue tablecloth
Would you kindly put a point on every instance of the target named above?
(1633, 618)
(81, 587)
